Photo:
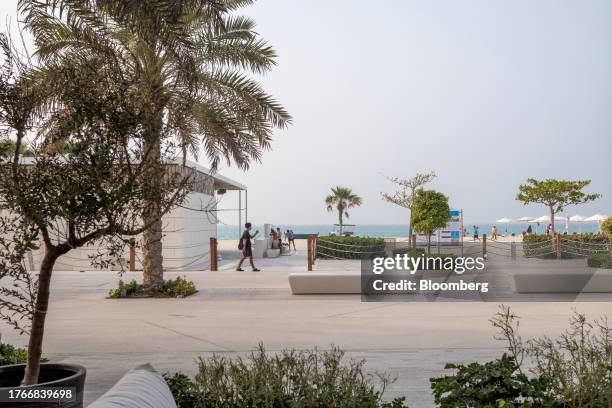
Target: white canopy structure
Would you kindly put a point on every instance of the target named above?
(526, 219)
(505, 220)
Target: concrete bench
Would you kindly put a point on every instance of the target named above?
(592, 280)
(140, 387)
(318, 283)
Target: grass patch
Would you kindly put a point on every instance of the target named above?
(175, 288)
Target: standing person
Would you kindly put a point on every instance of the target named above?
(291, 239)
(279, 236)
(494, 232)
(246, 247)
(476, 233)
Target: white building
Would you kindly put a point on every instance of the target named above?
(187, 229)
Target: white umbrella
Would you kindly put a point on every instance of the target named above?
(545, 218)
(599, 217)
(526, 219)
(505, 220)
(577, 218)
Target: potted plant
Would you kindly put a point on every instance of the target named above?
(83, 186)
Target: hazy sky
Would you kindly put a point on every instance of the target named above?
(485, 93)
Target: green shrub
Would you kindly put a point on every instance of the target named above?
(573, 370)
(606, 226)
(290, 379)
(172, 288)
(349, 247)
(12, 355)
(600, 261)
(497, 383)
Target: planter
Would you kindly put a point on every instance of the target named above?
(51, 375)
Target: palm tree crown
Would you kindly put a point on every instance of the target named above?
(341, 199)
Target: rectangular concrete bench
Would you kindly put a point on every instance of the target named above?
(579, 281)
(318, 283)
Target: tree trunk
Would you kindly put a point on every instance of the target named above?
(428, 243)
(410, 229)
(152, 263)
(340, 220)
(38, 319)
(552, 220)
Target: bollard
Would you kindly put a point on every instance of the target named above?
(484, 246)
(513, 250)
(132, 254)
(213, 255)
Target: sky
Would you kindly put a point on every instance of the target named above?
(484, 93)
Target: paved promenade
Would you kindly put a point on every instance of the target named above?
(234, 311)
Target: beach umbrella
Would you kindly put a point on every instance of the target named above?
(546, 218)
(577, 218)
(526, 219)
(505, 220)
(599, 217)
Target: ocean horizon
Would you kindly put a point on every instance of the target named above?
(225, 232)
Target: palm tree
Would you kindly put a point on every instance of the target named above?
(190, 63)
(341, 199)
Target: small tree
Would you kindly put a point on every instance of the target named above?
(341, 199)
(430, 211)
(555, 194)
(95, 193)
(404, 196)
(606, 226)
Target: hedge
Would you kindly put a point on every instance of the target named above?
(600, 261)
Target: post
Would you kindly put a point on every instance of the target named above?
(484, 246)
(239, 213)
(438, 242)
(558, 245)
(311, 251)
(132, 254)
(213, 254)
(513, 250)
(413, 243)
(246, 205)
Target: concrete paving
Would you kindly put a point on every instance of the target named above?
(234, 311)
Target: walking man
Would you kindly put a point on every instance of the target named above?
(476, 233)
(246, 247)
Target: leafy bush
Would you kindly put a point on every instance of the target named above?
(287, 380)
(600, 261)
(12, 355)
(572, 371)
(586, 237)
(497, 383)
(606, 226)
(172, 288)
(349, 247)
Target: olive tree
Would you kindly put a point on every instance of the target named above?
(62, 199)
(430, 211)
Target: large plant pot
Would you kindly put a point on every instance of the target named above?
(51, 375)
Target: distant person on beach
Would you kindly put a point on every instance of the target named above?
(529, 230)
(290, 239)
(549, 229)
(476, 233)
(246, 247)
(494, 233)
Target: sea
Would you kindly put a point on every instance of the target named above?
(401, 230)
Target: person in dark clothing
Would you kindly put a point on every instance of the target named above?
(246, 247)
